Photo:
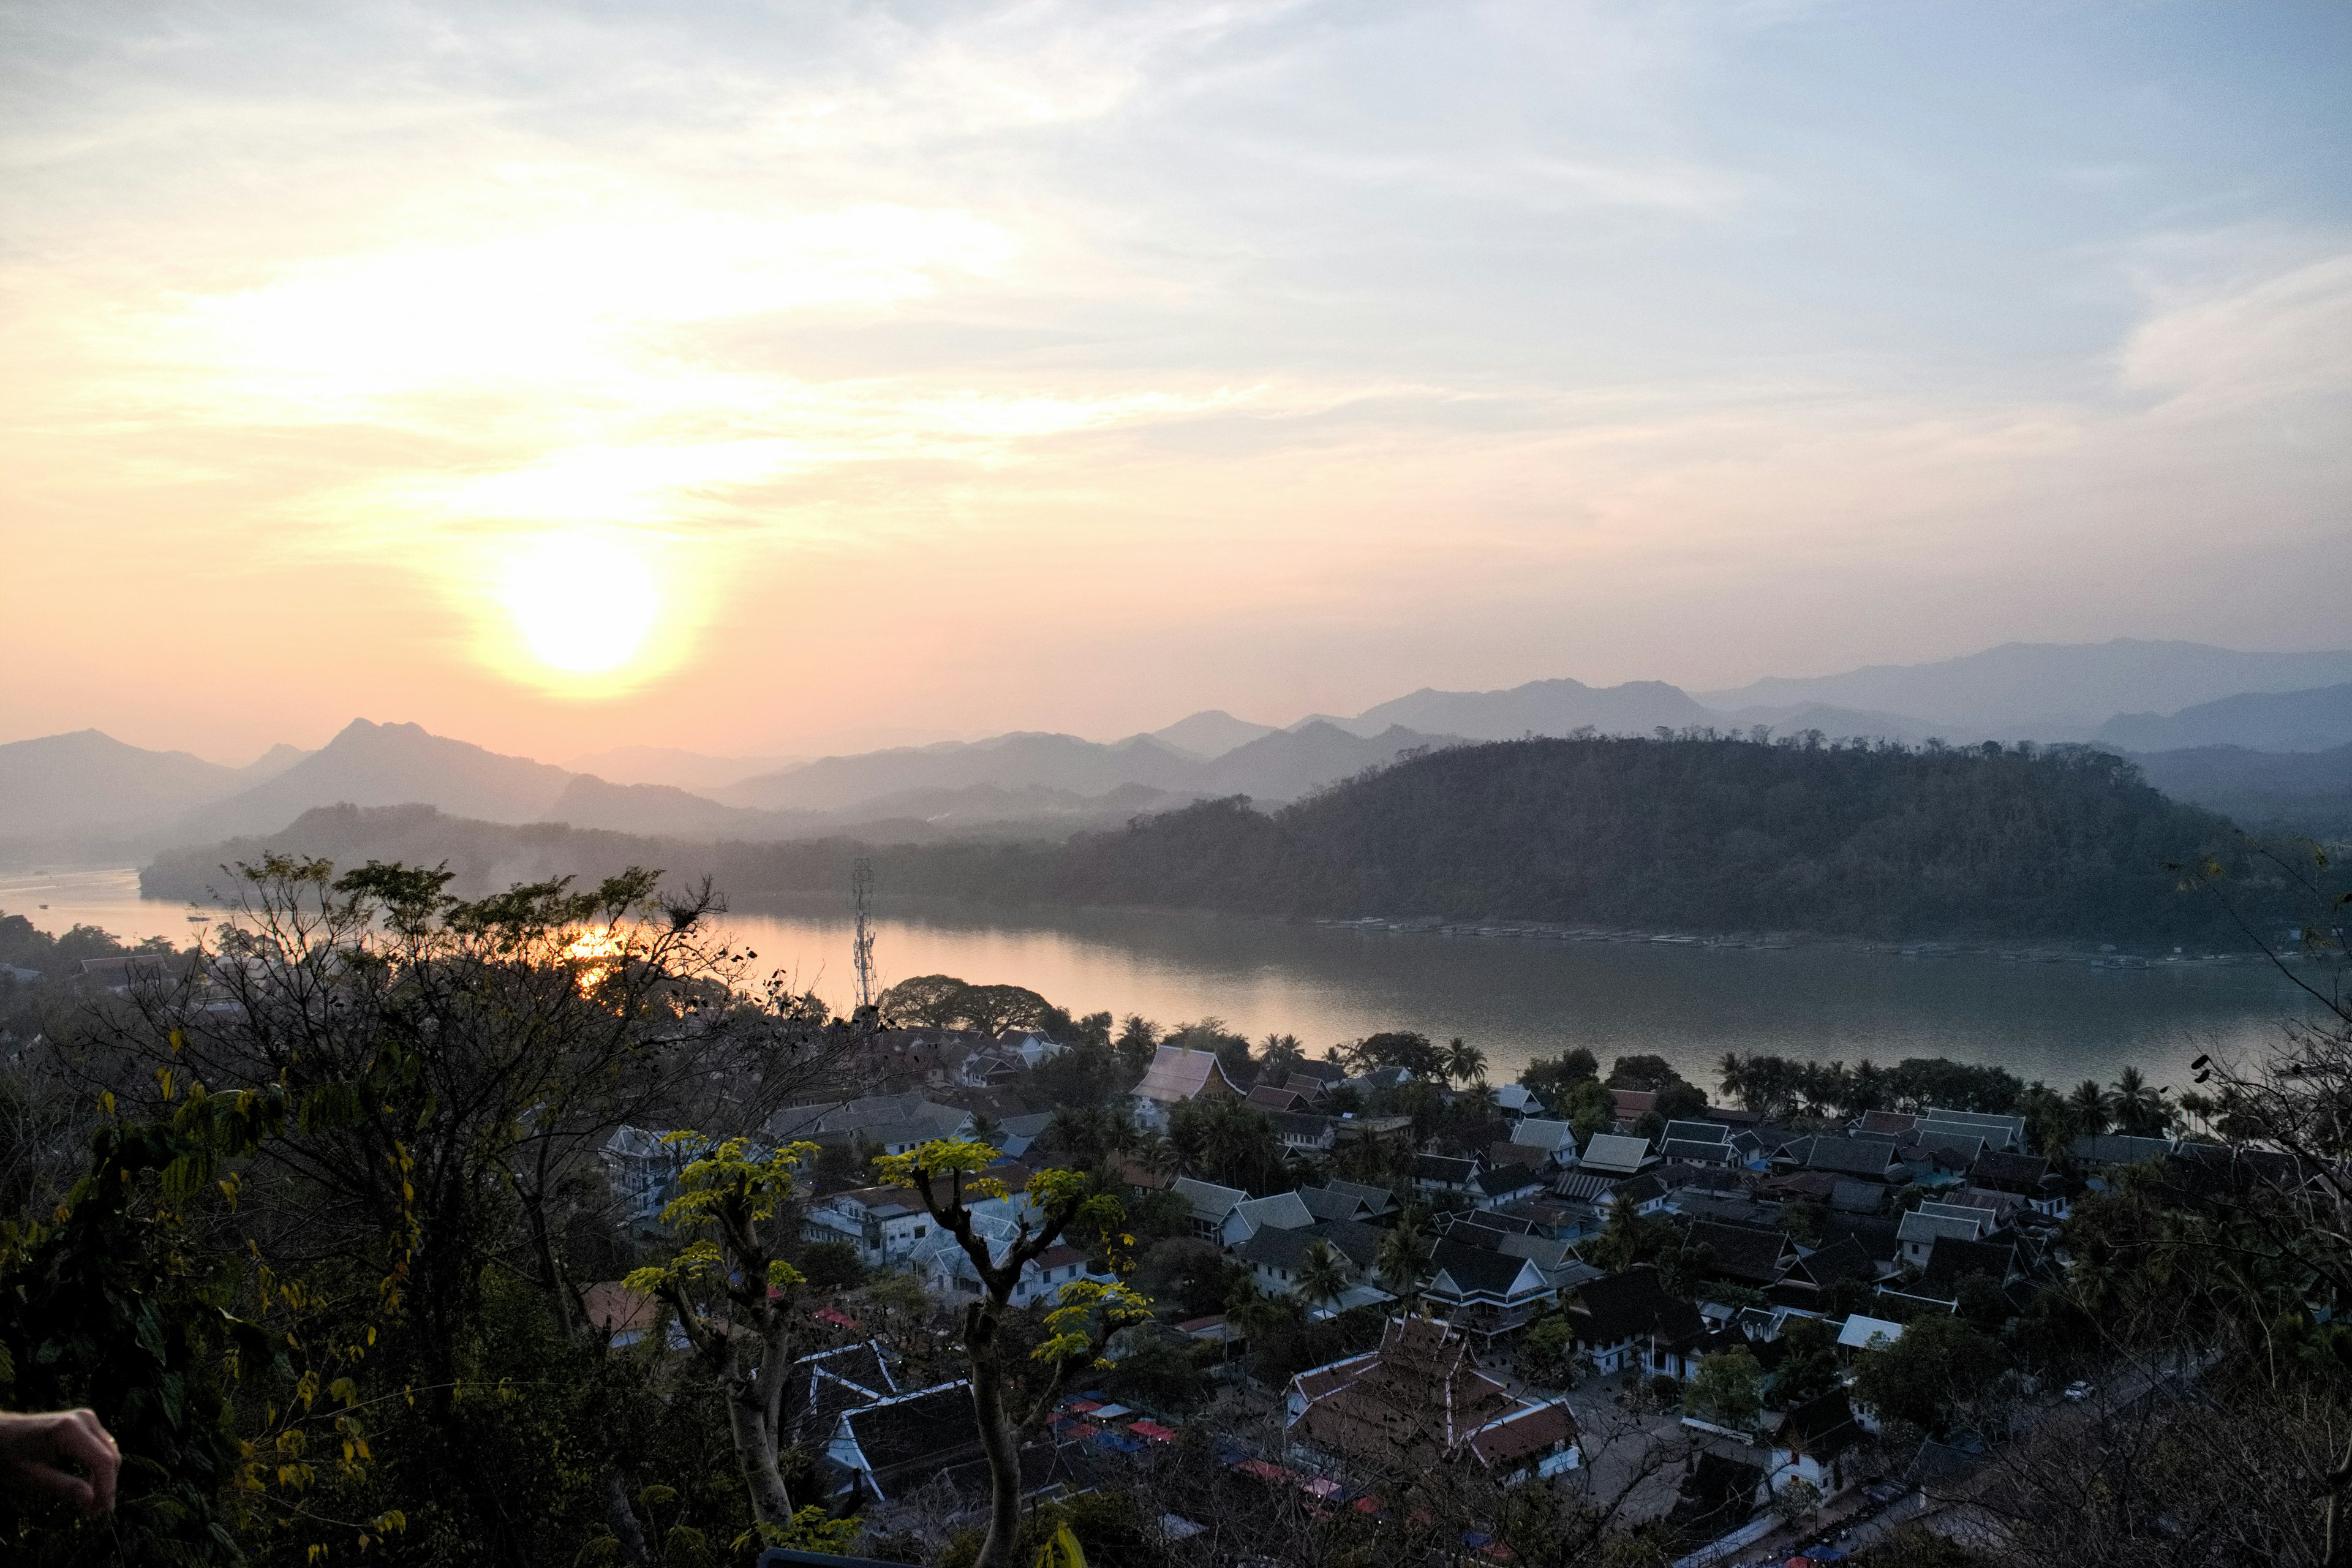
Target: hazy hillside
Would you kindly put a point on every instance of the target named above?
(2293, 792)
(390, 764)
(1539, 707)
(2052, 690)
(669, 765)
(1691, 835)
(2310, 721)
(1210, 733)
(1683, 834)
(1279, 765)
(90, 786)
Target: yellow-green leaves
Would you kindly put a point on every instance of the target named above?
(950, 1157)
(1089, 1314)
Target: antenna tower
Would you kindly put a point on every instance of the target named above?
(861, 882)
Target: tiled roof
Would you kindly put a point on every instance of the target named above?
(1178, 1074)
(1520, 1435)
(1957, 1258)
(2005, 1169)
(1608, 1151)
(1286, 1210)
(1931, 1227)
(1750, 1256)
(1626, 1306)
(1841, 1259)
(1476, 1271)
(1852, 1156)
(1890, 1122)
(1537, 1133)
(909, 1438)
(1445, 1168)
(1328, 1203)
(1699, 1131)
(1858, 1198)
(1506, 1179)
(1208, 1201)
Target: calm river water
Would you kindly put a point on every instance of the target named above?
(2059, 1022)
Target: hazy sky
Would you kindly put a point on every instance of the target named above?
(761, 376)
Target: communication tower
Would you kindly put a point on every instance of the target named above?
(861, 882)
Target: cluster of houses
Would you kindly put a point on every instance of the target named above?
(1899, 1214)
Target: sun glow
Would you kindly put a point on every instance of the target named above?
(582, 603)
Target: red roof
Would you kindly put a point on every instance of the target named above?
(1151, 1429)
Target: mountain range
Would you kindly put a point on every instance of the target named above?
(87, 796)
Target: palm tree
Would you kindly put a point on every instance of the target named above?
(1731, 1073)
(1400, 1260)
(1322, 1276)
(1154, 1152)
(2088, 1106)
(1465, 1062)
(2140, 1108)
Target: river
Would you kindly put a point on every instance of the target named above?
(1514, 999)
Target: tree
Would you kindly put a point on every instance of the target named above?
(1322, 1275)
(1641, 1071)
(1546, 1353)
(736, 1298)
(1087, 1312)
(1549, 1079)
(1399, 1049)
(1465, 1063)
(1279, 1056)
(1923, 1378)
(1797, 1498)
(1402, 1259)
(1589, 1108)
(1725, 1389)
(2140, 1109)
(1809, 1366)
(452, 1070)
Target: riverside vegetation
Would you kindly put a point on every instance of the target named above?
(1690, 832)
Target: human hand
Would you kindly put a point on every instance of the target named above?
(36, 1450)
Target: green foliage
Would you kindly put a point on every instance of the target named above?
(1549, 1079)
(1726, 1388)
(1546, 1353)
(1809, 1366)
(944, 1002)
(1230, 1143)
(1925, 1377)
(1417, 1054)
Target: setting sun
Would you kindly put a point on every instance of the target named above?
(581, 602)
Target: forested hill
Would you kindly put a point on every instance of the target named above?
(1699, 834)
(1695, 835)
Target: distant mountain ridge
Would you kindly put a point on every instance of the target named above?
(2047, 691)
(2312, 721)
(86, 794)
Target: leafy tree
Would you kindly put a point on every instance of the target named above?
(1547, 1353)
(735, 1298)
(1641, 1071)
(1399, 1049)
(1589, 1108)
(1549, 1079)
(1724, 1388)
(1087, 1312)
(1809, 1366)
(1923, 1378)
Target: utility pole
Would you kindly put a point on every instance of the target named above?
(861, 883)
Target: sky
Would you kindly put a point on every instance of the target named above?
(799, 376)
